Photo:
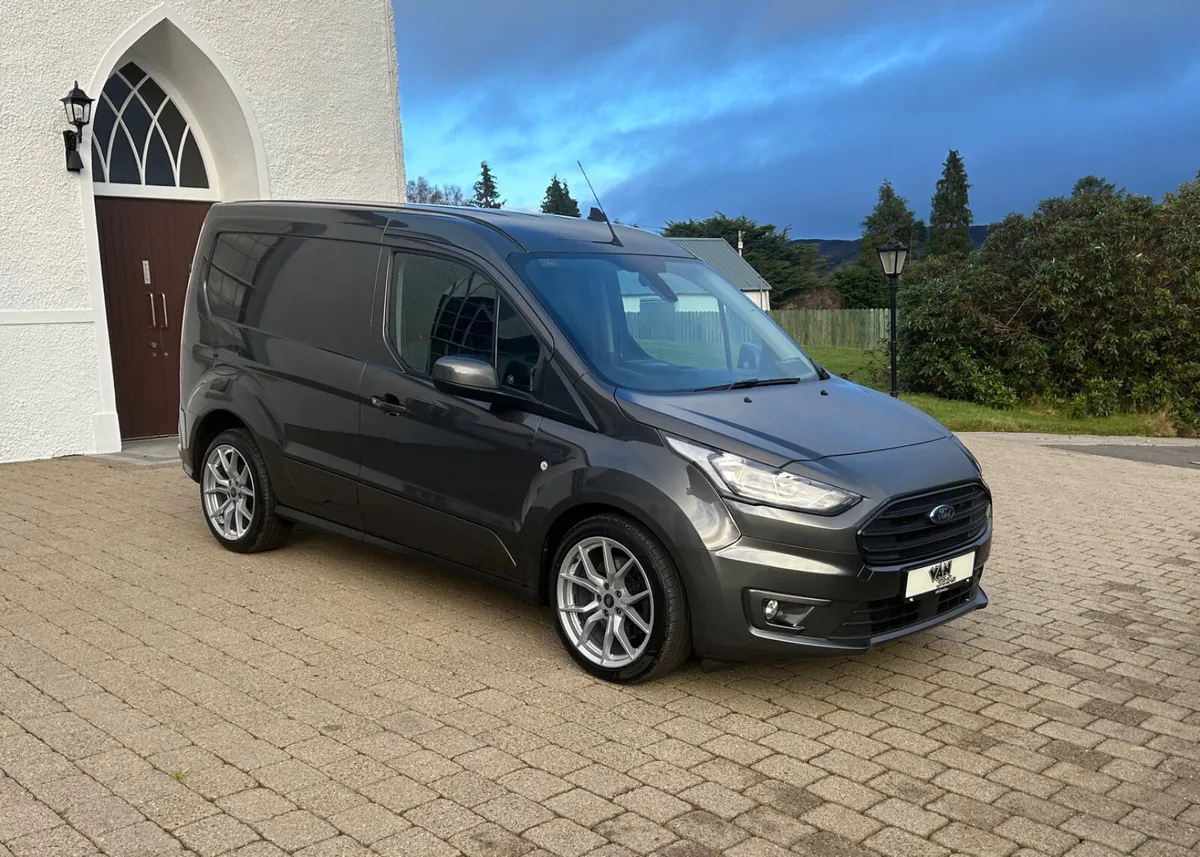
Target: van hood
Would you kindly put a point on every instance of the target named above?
(796, 422)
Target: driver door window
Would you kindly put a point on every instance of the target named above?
(439, 308)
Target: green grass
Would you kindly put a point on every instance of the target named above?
(1038, 419)
(849, 363)
(854, 365)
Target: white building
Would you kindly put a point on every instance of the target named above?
(196, 101)
(720, 254)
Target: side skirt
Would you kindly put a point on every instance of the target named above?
(474, 574)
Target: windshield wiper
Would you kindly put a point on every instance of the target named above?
(749, 382)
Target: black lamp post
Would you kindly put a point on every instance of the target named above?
(79, 113)
(892, 256)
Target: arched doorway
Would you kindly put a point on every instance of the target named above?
(153, 190)
(171, 134)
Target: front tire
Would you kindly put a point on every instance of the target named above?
(620, 607)
(237, 497)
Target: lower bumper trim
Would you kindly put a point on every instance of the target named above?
(834, 646)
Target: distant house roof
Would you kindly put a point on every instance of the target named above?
(718, 253)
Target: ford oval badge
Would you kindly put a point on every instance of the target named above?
(942, 514)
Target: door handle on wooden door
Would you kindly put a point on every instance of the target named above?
(153, 314)
(166, 318)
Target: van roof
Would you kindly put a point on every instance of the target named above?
(521, 231)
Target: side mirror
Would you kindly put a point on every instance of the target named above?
(466, 376)
(749, 356)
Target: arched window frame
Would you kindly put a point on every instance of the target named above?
(210, 193)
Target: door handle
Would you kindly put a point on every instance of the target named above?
(153, 314)
(389, 404)
(166, 318)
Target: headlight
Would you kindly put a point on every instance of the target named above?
(743, 479)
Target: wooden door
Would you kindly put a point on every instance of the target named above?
(146, 247)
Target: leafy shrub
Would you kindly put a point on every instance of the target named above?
(1093, 301)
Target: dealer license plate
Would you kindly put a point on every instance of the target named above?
(938, 576)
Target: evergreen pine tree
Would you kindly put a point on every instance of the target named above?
(558, 199)
(486, 193)
(950, 216)
(891, 218)
(862, 283)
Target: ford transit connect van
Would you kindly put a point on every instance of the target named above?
(585, 413)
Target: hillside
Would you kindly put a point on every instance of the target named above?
(839, 250)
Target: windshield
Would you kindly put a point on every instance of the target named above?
(659, 324)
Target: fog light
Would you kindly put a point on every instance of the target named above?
(785, 614)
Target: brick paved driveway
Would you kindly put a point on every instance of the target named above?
(158, 693)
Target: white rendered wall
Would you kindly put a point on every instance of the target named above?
(316, 82)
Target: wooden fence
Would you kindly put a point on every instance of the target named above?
(840, 328)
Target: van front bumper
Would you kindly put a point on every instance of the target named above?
(846, 607)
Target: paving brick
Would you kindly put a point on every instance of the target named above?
(399, 793)
(1021, 805)
(769, 823)
(654, 804)
(369, 822)
(962, 838)
(900, 843)
(907, 816)
(905, 787)
(534, 784)
(706, 829)
(969, 785)
(93, 817)
(564, 837)
(1161, 827)
(308, 692)
(490, 840)
(1034, 835)
(143, 838)
(216, 834)
(826, 844)
(1091, 829)
(413, 841)
(296, 829)
(514, 812)
(967, 810)
(729, 774)
(61, 841)
(843, 822)
(602, 780)
(256, 804)
(716, 799)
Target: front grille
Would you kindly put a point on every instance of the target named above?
(873, 618)
(901, 531)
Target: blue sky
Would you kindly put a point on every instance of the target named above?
(793, 111)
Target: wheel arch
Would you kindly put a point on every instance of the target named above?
(207, 429)
(580, 511)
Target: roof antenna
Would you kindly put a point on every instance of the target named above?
(597, 213)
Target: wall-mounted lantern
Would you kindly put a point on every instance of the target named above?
(79, 113)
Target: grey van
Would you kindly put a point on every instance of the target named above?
(584, 413)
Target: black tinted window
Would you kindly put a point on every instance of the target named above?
(312, 290)
(438, 308)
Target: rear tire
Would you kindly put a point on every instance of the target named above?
(619, 603)
(237, 497)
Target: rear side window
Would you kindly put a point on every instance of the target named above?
(317, 291)
(439, 308)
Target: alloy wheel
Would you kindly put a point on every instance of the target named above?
(605, 603)
(228, 492)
